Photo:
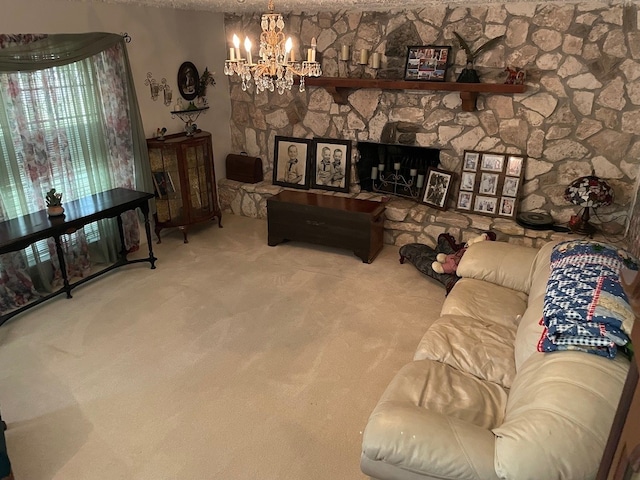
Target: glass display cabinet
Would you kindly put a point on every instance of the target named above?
(185, 181)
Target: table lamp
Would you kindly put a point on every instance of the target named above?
(587, 192)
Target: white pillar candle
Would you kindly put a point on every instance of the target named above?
(313, 49)
(420, 181)
(344, 54)
(374, 173)
(375, 60)
(396, 166)
(381, 167)
(364, 56)
(413, 172)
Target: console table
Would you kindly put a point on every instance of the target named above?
(19, 233)
(332, 221)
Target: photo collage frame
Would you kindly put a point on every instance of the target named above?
(490, 183)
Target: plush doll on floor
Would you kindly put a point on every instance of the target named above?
(448, 263)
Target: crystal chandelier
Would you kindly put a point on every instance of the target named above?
(277, 64)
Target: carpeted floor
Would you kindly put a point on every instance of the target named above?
(232, 360)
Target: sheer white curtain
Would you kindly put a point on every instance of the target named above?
(69, 120)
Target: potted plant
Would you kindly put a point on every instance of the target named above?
(54, 203)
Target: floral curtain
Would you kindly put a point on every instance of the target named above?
(68, 120)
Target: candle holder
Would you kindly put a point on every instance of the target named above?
(395, 182)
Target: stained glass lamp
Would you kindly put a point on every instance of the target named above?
(587, 192)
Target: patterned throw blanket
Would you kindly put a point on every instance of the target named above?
(585, 307)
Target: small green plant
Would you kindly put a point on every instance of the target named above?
(53, 199)
(206, 79)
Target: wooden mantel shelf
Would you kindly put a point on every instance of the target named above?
(339, 88)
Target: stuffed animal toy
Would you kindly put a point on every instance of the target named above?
(448, 263)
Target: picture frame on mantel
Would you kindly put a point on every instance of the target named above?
(490, 183)
(291, 162)
(331, 164)
(427, 63)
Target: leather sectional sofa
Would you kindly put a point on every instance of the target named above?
(479, 402)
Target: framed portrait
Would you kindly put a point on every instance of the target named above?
(331, 164)
(507, 206)
(514, 166)
(437, 188)
(291, 162)
(490, 183)
(471, 161)
(467, 181)
(492, 162)
(188, 81)
(427, 63)
(163, 184)
(464, 200)
(510, 186)
(485, 204)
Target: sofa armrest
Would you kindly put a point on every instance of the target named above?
(501, 263)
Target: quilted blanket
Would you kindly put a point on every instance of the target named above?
(585, 307)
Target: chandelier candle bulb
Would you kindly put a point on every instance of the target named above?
(375, 60)
(287, 48)
(236, 44)
(364, 56)
(374, 173)
(420, 181)
(247, 47)
(313, 49)
(232, 54)
(344, 53)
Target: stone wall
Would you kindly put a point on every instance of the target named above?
(581, 111)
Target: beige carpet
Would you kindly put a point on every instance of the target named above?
(231, 360)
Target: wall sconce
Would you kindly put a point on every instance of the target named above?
(156, 88)
(166, 89)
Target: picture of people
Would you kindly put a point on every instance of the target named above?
(514, 166)
(510, 187)
(486, 204)
(492, 163)
(188, 80)
(471, 161)
(507, 206)
(331, 164)
(488, 183)
(291, 162)
(437, 189)
(464, 200)
(468, 181)
(427, 63)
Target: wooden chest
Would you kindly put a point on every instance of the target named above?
(243, 168)
(339, 222)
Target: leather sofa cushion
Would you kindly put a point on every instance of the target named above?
(540, 271)
(529, 331)
(485, 301)
(435, 420)
(559, 413)
(483, 349)
(499, 263)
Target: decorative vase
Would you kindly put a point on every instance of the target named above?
(55, 211)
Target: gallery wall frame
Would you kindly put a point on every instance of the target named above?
(291, 162)
(490, 183)
(331, 164)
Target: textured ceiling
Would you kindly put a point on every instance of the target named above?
(284, 6)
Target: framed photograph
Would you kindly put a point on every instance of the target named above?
(163, 184)
(471, 161)
(437, 188)
(492, 162)
(291, 162)
(514, 166)
(485, 204)
(331, 164)
(428, 63)
(188, 81)
(510, 186)
(464, 200)
(507, 206)
(488, 184)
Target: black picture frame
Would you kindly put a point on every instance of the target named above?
(437, 187)
(335, 175)
(427, 63)
(285, 173)
(188, 81)
(491, 183)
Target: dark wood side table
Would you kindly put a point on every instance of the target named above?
(327, 220)
(19, 233)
